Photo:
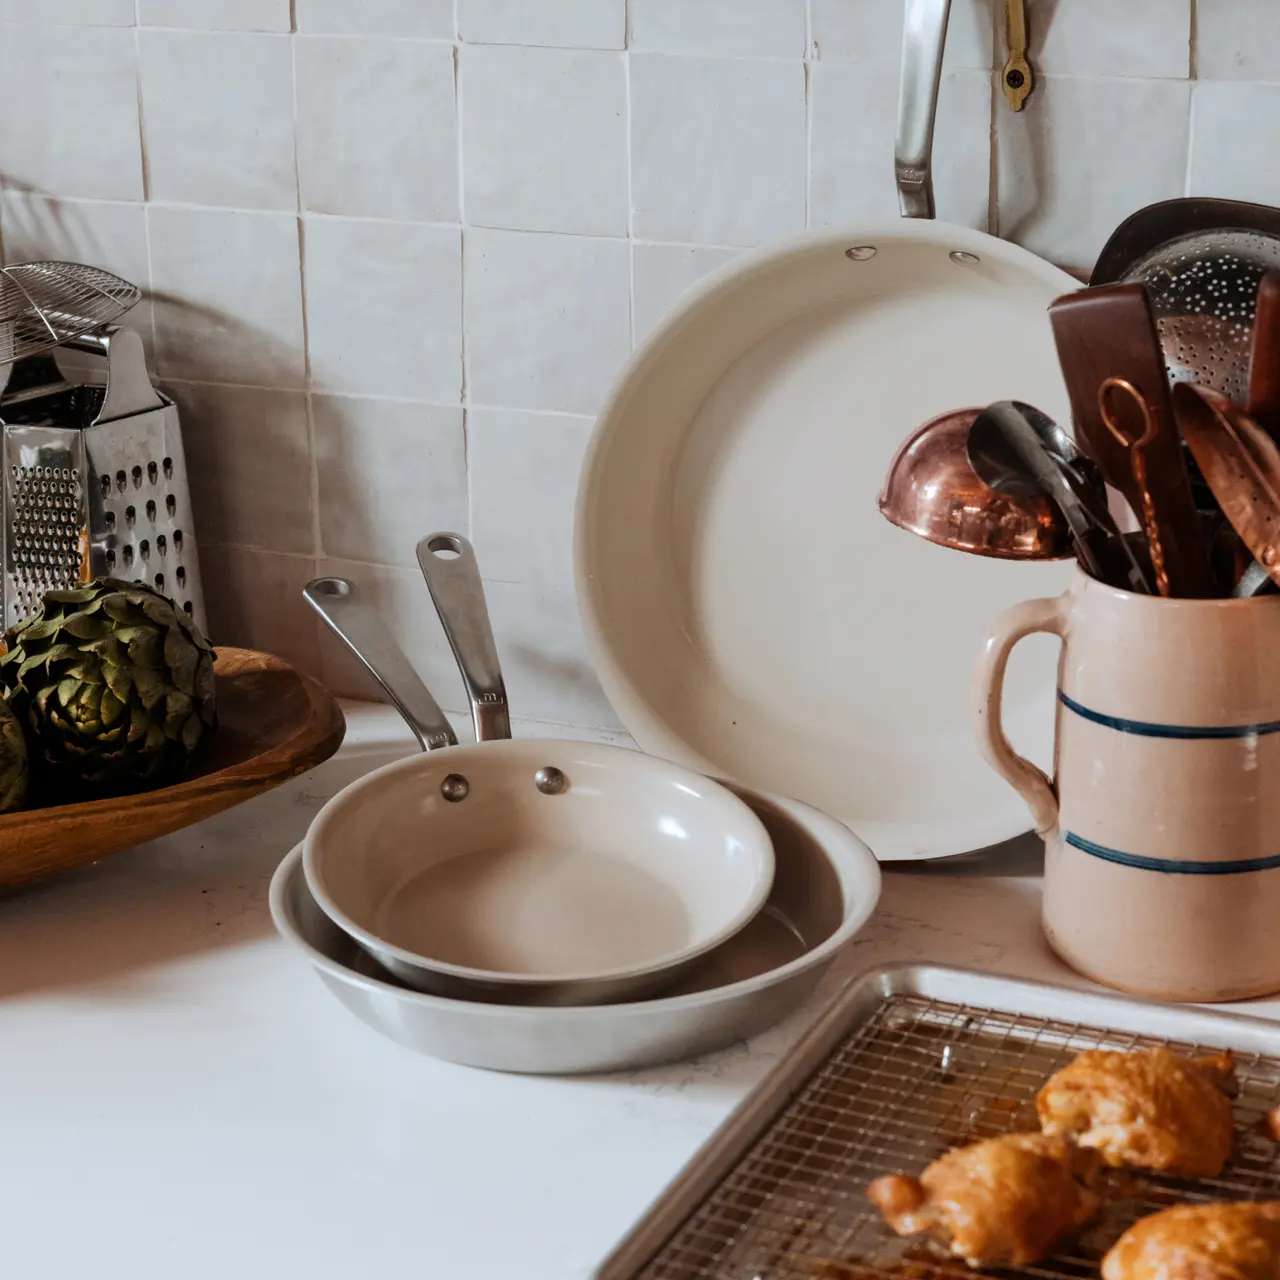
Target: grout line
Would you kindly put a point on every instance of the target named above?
(1193, 33)
(808, 144)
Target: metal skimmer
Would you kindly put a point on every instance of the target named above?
(1201, 261)
(44, 304)
(779, 1193)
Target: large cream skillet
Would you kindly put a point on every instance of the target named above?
(749, 612)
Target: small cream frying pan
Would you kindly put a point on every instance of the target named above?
(534, 872)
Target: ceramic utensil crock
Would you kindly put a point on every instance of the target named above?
(1162, 824)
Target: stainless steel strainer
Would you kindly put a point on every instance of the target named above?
(1201, 261)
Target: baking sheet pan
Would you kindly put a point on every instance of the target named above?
(907, 1063)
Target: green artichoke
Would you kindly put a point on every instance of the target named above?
(13, 761)
(113, 684)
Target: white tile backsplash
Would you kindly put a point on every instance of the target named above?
(254, 600)
(1238, 40)
(544, 656)
(399, 250)
(578, 24)
(239, 153)
(544, 139)
(1083, 155)
(69, 111)
(377, 128)
(384, 308)
(871, 31)
(717, 149)
(410, 19)
(1226, 160)
(851, 168)
(227, 296)
(92, 13)
(523, 469)
(1143, 37)
(249, 463)
(759, 28)
(388, 471)
(661, 273)
(217, 15)
(547, 318)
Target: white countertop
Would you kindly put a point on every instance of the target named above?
(183, 1099)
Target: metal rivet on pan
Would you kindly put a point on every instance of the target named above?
(861, 252)
(963, 259)
(454, 787)
(550, 781)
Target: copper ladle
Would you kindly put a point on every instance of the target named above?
(933, 491)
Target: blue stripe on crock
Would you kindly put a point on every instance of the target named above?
(1145, 729)
(1171, 866)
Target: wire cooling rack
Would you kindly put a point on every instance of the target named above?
(915, 1078)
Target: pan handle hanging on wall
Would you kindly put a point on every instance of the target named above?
(1016, 79)
(924, 32)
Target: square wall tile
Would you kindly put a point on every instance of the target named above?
(249, 464)
(384, 308)
(92, 13)
(100, 233)
(388, 472)
(254, 600)
(717, 149)
(228, 296)
(217, 15)
(404, 604)
(523, 470)
(871, 31)
(423, 19)
(759, 28)
(1237, 40)
(660, 274)
(69, 111)
(851, 169)
(1102, 38)
(544, 139)
(574, 24)
(1068, 174)
(1229, 161)
(544, 656)
(547, 318)
(209, 147)
(377, 128)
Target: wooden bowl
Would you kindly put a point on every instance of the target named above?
(273, 724)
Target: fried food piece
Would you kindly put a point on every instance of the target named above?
(1200, 1242)
(1003, 1200)
(1146, 1110)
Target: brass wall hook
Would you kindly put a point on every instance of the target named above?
(1017, 78)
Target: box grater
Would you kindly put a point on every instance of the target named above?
(95, 484)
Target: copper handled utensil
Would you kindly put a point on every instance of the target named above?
(1241, 464)
(933, 491)
(1108, 334)
(1137, 446)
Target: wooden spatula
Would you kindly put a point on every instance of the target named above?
(1115, 374)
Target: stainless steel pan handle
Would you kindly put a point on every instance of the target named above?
(359, 627)
(449, 565)
(924, 32)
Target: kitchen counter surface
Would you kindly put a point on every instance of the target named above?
(184, 1100)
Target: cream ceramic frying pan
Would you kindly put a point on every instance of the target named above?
(535, 872)
(748, 610)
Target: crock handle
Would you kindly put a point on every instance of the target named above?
(924, 31)
(988, 692)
